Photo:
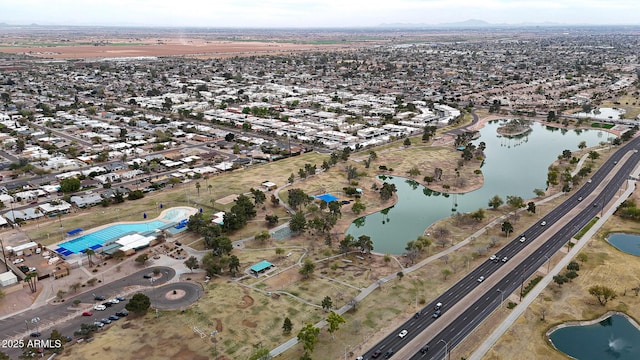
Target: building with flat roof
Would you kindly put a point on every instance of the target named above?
(260, 267)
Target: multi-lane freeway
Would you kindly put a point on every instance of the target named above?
(443, 333)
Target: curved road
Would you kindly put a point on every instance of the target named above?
(67, 319)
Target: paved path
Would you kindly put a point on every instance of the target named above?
(482, 350)
(365, 292)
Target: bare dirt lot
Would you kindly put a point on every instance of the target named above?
(165, 47)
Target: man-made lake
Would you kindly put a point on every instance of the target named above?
(628, 243)
(602, 114)
(613, 338)
(513, 166)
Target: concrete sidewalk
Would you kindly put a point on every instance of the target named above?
(484, 348)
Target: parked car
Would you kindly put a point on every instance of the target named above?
(87, 313)
(122, 313)
(99, 324)
(105, 321)
(35, 334)
(99, 298)
(107, 304)
(148, 276)
(114, 317)
(114, 301)
(121, 298)
(18, 261)
(99, 307)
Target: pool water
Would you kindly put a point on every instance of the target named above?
(98, 238)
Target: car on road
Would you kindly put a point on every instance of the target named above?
(580, 198)
(417, 315)
(99, 307)
(99, 298)
(376, 353)
(589, 181)
(436, 314)
(148, 276)
(505, 259)
(595, 204)
(388, 354)
(114, 317)
(523, 239)
(543, 223)
(493, 258)
(402, 334)
(360, 358)
(438, 306)
(35, 334)
(481, 279)
(424, 349)
(87, 313)
(122, 313)
(105, 321)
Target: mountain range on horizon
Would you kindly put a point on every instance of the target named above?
(466, 24)
(474, 23)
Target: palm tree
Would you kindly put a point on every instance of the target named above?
(89, 252)
(198, 187)
(210, 187)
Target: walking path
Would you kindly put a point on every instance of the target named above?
(365, 292)
(482, 350)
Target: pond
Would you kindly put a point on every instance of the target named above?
(614, 338)
(513, 166)
(628, 243)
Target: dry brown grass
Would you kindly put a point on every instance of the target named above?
(605, 266)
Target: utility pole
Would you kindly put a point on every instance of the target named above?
(4, 256)
(522, 283)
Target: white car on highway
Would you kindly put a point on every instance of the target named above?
(403, 333)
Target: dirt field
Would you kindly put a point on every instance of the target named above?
(165, 47)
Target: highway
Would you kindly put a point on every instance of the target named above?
(486, 296)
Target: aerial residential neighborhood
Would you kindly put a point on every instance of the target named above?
(457, 190)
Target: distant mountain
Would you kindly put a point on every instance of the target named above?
(471, 23)
(466, 23)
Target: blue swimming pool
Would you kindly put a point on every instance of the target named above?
(98, 238)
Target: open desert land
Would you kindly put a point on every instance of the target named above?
(178, 43)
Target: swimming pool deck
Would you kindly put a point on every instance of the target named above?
(168, 216)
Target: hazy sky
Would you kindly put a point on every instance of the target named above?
(314, 13)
